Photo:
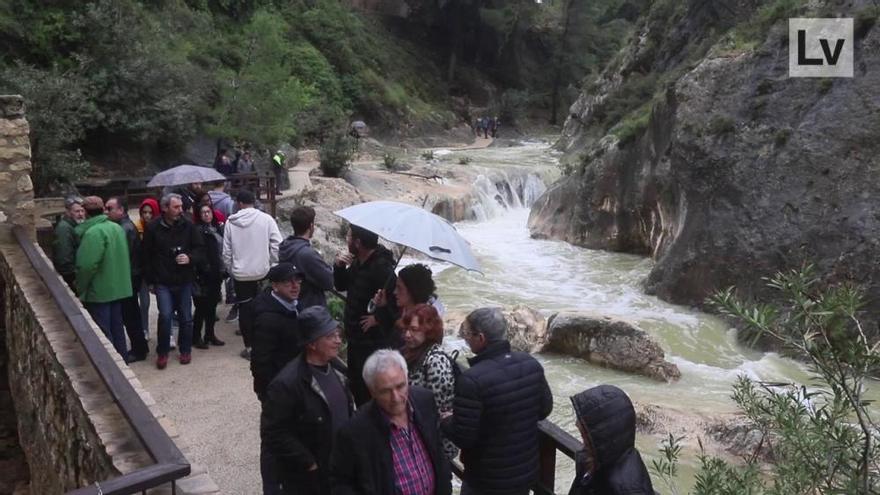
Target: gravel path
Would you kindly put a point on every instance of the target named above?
(212, 402)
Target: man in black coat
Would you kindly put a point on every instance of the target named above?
(172, 248)
(498, 403)
(298, 249)
(306, 404)
(609, 463)
(276, 338)
(392, 445)
(366, 268)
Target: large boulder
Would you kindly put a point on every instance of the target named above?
(526, 329)
(608, 342)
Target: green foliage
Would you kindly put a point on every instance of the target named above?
(464, 160)
(512, 105)
(635, 91)
(428, 155)
(633, 126)
(59, 112)
(335, 306)
(666, 467)
(259, 99)
(755, 29)
(335, 154)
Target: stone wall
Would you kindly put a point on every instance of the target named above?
(17, 198)
(70, 428)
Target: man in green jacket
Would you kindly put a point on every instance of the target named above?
(65, 243)
(103, 271)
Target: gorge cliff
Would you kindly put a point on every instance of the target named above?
(696, 148)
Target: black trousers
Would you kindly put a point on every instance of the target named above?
(245, 292)
(358, 352)
(206, 312)
(131, 318)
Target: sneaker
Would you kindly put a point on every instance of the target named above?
(216, 341)
(233, 313)
(246, 353)
(172, 345)
(162, 362)
(185, 358)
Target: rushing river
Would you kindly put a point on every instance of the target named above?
(552, 276)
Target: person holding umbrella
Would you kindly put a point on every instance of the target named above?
(361, 272)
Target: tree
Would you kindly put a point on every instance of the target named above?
(259, 99)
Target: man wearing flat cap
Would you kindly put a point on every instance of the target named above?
(306, 404)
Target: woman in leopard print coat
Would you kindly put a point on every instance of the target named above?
(428, 365)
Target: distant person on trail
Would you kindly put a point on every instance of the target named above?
(223, 164)
(306, 404)
(298, 249)
(148, 210)
(65, 243)
(498, 403)
(478, 126)
(363, 270)
(245, 163)
(209, 278)
(279, 168)
(103, 272)
(117, 211)
(492, 126)
(609, 463)
(250, 248)
(485, 127)
(429, 366)
(172, 249)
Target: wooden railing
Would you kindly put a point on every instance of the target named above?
(170, 463)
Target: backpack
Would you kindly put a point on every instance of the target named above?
(453, 360)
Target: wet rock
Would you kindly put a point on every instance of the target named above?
(608, 342)
(526, 329)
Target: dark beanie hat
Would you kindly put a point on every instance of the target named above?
(315, 322)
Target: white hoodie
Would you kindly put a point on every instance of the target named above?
(250, 244)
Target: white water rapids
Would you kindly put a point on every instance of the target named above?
(552, 276)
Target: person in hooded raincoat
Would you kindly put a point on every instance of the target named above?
(609, 463)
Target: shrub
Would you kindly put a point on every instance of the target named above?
(630, 128)
(823, 438)
(428, 155)
(335, 154)
(464, 160)
(389, 161)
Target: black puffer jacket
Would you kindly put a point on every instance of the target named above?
(297, 428)
(498, 403)
(360, 282)
(610, 420)
(275, 342)
(161, 241)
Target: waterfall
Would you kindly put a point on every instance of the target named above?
(493, 196)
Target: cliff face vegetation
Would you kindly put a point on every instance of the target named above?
(696, 147)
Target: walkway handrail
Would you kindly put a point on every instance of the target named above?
(170, 463)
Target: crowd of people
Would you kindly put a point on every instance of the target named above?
(240, 161)
(393, 418)
(487, 126)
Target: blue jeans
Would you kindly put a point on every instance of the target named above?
(171, 298)
(108, 316)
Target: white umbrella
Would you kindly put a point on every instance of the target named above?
(415, 228)
(185, 174)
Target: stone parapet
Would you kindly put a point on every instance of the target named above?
(16, 188)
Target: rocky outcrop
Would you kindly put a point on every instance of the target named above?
(738, 171)
(608, 342)
(526, 329)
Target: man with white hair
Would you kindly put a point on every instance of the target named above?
(400, 426)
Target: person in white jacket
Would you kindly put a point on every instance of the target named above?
(250, 248)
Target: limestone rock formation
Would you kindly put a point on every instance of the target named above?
(738, 170)
(526, 329)
(608, 342)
